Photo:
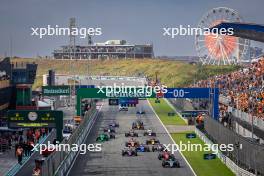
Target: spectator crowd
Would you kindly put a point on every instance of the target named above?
(21, 141)
(243, 88)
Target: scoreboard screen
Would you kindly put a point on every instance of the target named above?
(34, 119)
(131, 101)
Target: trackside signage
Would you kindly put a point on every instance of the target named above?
(55, 90)
(36, 119)
(115, 93)
(142, 92)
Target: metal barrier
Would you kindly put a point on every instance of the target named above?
(58, 162)
(4, 146)
(18, 168)
(250, 156)
(258, 122)
(227, 161)
(125, 78)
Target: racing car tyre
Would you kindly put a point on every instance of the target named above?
(160, 157)
(153, 149)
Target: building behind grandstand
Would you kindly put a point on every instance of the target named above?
(106, 50)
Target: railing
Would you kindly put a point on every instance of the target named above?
(227, 161)
(58, 162)
(258, 122)
(125, 78)
(118, 78)
(17, 167)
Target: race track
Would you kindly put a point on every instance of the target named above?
(111, 162)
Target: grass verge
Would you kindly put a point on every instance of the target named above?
(162, 110)
(171, 73)
(200, 166)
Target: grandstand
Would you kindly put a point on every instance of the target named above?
(241, 114)
(243, 89)
(109, 49)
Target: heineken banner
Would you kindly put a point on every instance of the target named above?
(115, 93)
(55, 90)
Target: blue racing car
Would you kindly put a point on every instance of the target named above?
(143, 148)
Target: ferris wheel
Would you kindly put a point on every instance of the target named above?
(220, 49)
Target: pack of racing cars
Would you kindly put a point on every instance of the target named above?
(133, 146)
(108, 132)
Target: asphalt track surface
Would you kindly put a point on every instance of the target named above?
(110, 161)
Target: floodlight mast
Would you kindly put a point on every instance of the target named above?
(72, 25)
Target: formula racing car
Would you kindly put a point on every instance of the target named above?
(152, 141)
(131, 133)
(143, 148)
(138, 125)
(132, 143)
(129, 152)
(109, 129)
(149, 132)
(105, 137)
(158, 147)
(171, 162)
(141, 112)
(165, 155)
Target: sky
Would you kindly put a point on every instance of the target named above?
(136, 21)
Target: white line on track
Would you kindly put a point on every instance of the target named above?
(171, 138)
(169, 103)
